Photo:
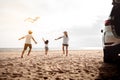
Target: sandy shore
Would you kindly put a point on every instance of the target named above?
(79, 65)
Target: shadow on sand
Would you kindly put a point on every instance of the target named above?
(109, 72)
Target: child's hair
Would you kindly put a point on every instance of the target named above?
(46, 42)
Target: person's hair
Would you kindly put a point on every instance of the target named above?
(30, 32)
(65, 33)
(46, 42)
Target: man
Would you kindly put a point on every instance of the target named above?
(27, 42)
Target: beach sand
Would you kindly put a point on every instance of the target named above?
(79, 65)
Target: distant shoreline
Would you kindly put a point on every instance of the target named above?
(42, 49)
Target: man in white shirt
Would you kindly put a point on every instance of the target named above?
(27, 42)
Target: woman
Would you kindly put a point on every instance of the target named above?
(65, 42)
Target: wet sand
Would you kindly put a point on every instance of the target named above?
(79, 65)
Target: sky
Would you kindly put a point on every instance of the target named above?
(83, 20)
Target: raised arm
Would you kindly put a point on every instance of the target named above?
(43, 39)
(21, 38)
(34, 40)
(58, 38)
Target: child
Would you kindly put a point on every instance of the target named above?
(27, 42)
(65, 42)
(46, 45)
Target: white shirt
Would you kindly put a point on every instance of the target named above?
(65, 39)
(28, 39)
(46, 45)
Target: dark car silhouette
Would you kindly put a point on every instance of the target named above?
(111, 35)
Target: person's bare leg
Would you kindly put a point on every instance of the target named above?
(22, 53)
(29, 52)
(63, 49)
(45, 52)
(66, 50)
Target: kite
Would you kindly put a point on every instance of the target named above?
(32, 20)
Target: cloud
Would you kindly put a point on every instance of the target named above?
(79, 17)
